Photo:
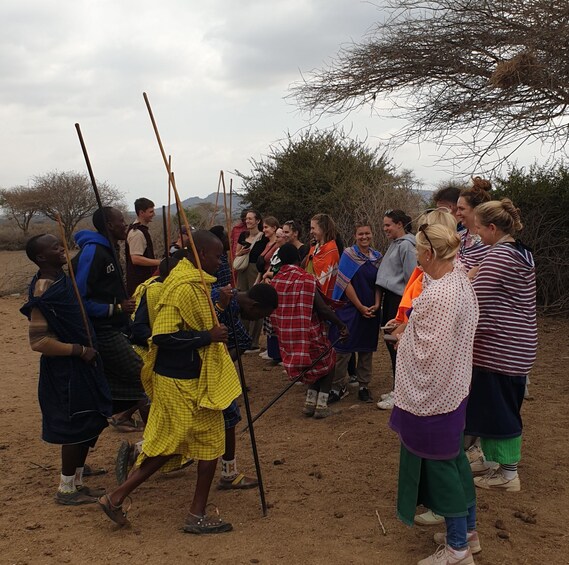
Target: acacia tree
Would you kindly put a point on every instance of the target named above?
(492, 70)
(326, 171)
(20, 204)
(70, 195)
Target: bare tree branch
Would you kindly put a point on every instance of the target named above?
(447, 67)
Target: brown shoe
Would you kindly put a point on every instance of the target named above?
(94, 492)
(75, 498)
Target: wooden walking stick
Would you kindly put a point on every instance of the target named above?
(292, 383)
(165, 235)
(214, 213)
(168, 223)
(178, 213)
(74, 283)
(100, 205)
(216, 321)
(242, 377)
(181, 210)
(248, 413)
(227, 227)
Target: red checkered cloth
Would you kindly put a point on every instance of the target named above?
(302, 335)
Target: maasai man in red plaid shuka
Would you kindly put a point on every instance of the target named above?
(299, 322)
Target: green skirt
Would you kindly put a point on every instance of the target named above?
(445, 487)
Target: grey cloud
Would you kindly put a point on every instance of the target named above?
(261, 45)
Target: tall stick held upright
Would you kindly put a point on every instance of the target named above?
(101, 208)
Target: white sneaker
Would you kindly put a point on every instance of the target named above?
(429, 518)
(386, 396)
(495, 480)
(264, 355)
(386, 404)
(253, 350)
(447, 556)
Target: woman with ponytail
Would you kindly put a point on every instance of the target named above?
(505, 344)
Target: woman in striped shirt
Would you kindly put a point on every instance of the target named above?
(505, 344)
(472, 250)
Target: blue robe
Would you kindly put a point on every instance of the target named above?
(74, 396)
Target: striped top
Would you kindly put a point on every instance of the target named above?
(506, 336)
(472, 251)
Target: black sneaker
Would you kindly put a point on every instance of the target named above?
(364, 395)
(334, 396)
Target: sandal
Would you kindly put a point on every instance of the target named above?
(116, 513)
(127, 426)
(239, 482)
(206, 524)
(89, 471)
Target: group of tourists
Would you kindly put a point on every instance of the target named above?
(452, 298)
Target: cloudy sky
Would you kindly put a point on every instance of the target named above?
(216, 71)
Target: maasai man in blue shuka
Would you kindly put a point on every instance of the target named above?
(73, 393)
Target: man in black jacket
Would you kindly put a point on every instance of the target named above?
(99, 281)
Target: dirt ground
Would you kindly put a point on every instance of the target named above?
(324, 481)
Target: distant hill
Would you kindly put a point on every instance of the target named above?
(236, 203)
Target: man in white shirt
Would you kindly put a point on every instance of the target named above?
(140, 261)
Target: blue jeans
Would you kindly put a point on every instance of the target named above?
(457, 528)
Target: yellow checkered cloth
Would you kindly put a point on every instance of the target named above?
(186, 417)
(139, 292)
(153, 294)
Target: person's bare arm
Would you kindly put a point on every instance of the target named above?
(143, 261)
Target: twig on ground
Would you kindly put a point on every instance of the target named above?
(380, 523)
(340, 436)
(48, 468)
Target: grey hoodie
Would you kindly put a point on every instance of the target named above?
(397, 264)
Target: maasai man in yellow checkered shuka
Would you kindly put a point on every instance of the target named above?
(193, 380)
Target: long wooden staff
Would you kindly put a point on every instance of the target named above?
(168, 223)
(179, 216)
(293, 382)
(165, 235)
(231, 198)
(227, 226)
(248, 413)
(181, 210)
(74, 283)
(216, 321)
(214, 214)
(101, 208)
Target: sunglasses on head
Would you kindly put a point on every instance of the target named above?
(423, 230)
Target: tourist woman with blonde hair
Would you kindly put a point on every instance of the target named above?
(431, 394)
(505, 344)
